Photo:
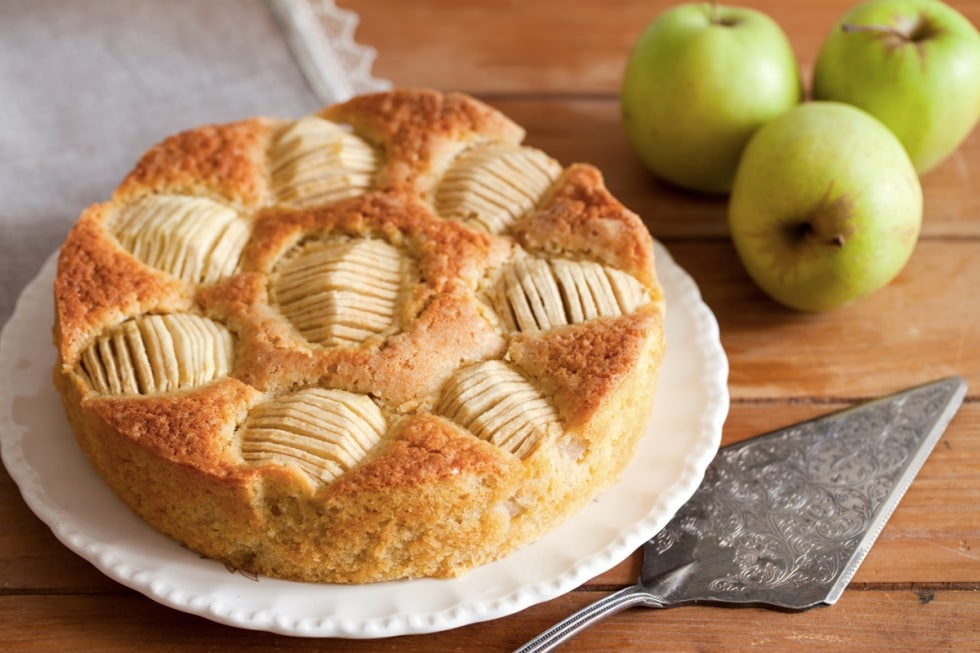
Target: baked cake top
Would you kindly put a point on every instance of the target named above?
(299, 287)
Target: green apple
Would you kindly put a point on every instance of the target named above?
(914, 65)
(699, 81)
(826, 206)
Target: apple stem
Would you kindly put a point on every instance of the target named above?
(837, 240)
(715, 16)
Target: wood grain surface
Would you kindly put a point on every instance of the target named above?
(555, 67)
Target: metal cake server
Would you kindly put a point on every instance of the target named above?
(784, 519)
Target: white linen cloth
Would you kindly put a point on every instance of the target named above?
(86, 87)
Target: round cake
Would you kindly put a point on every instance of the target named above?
(383, 341)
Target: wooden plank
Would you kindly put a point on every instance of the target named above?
(920, 327)
(902, 620)
(487, 46)
(579, 51)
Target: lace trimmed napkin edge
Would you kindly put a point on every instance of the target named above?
(320, 36)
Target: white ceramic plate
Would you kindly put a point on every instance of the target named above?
(57, 483)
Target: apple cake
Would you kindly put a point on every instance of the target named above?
(383, 341)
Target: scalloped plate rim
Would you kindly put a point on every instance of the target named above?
(496, 590)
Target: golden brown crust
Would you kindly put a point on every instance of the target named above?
(220, 160)
(579, 365)
(426, 449)
(446, 251)
(421, 128)
(583, 217)
(193, 428)
(275, 348)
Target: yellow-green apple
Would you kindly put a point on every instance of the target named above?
(826, 206)
(699, 81)
(914, 65)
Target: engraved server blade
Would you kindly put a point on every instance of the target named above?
(784, 519)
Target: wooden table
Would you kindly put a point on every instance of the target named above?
(555, 66)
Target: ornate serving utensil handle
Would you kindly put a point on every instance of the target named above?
(628, 597)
